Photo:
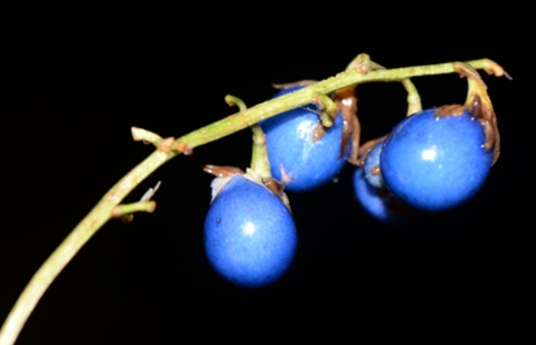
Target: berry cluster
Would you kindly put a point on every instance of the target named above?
(432, 160)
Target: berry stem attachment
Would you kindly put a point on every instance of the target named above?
(328, 109)
(414, 99)
(480, 107)
(364, 64)
(259, 155)
(102, 212)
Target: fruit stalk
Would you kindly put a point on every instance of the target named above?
(169, 148)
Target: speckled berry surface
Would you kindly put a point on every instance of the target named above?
(250, 236)
(435, 163)
(296, 160)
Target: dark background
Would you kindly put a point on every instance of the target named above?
(73, 80)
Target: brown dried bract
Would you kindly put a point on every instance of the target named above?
(165, 145)
(185, 149)
(449, 110)
(221, 171)
(487, 118)
(277, 188)
(318, 132)
(366, 148)
(465, 70)
(346, 99)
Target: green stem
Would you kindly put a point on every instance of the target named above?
(364, 64)
(102, 212)
(259, 156)
(414, 100)
(127, 209)
(328, 109)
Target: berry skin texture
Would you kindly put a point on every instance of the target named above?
(250, 236)
(300, 163)
(435, 163)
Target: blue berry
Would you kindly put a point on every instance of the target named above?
(250, 236)
(296, 160)
(372, 162)
(379, 202)
(434, 162)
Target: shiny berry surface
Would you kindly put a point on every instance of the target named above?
(296, 160)
(435, 163)
(250, 236)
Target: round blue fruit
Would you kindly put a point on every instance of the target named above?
(371, 162)
(378, 202)
(435, 162)
(296, 160)
(250, 236)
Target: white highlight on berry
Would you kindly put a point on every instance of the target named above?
(430, 154)
(304, 130)
(249, 229)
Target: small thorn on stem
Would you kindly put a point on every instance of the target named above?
(151, 192)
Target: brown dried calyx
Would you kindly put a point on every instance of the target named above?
(478, 104)
(487, 118)
(485, 115)
(346, 99)
(225, 173)
(365, 149)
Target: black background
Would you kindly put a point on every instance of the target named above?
(75, 78)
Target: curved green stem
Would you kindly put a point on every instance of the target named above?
(259, 155)
(364, 64)
(413, 99)
(102, 212)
